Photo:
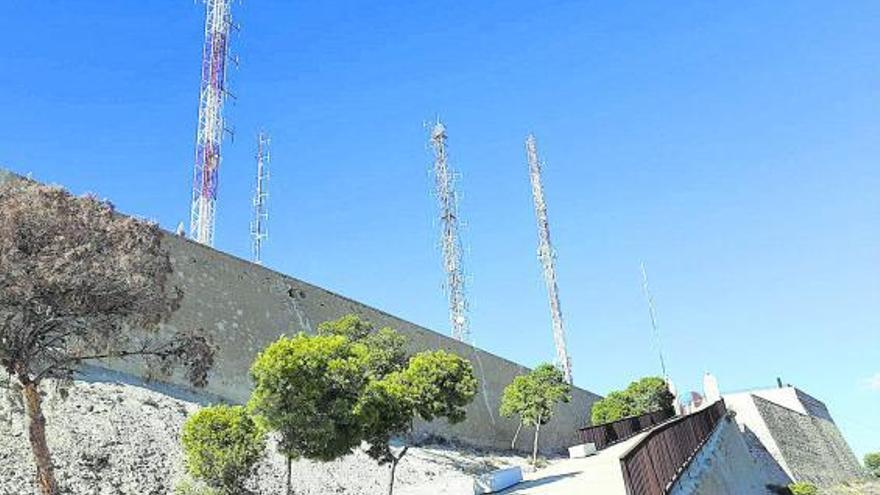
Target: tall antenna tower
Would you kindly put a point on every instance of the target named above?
(547, 257)
(260, 222)
(445, 190)
(212, 94)
(650, 299)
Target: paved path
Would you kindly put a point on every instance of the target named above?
(595, 475)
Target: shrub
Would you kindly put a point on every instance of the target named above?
(221, 445)
(872, 462)
(803, 488)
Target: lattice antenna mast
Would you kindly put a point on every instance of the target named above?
(209, 137)
(260, 222)
(652, 312)
(450, 240)
(547, 257)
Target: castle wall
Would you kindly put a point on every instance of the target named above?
(756, 434)
(813, 447)
(244, 307)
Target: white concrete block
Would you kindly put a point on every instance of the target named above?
(497, 480)
(582, 450)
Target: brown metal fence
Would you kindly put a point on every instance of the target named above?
(651, 466)
(617, 431)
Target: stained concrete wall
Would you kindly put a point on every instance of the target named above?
(244, 307)
(725, 466)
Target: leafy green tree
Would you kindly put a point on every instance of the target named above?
(306, 389)
(642, 396)
(75, 278)
(533, 398)
(650, 394)
(385, 348)
(326, 394)
(872, 462)
(513, 399)
(434, 384)
(614, 406)
(221, 446)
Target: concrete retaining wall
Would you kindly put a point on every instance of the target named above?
(244, 307)
(724, 466)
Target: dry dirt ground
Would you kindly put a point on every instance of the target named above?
(863, 488)
(119, 439)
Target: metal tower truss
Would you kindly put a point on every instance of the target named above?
(547, 257)
(649, 298)
(212, 94)
(449, 237)
(260, 222)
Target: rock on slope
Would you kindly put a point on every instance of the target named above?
(119, 439)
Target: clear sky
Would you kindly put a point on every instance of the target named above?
(733, 147)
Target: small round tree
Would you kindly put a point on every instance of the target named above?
(642, 396)
(325, 394)
(306, 388)
(616, 405)
(434, 384)
(513, 398)
(221, 445)
(533, 397)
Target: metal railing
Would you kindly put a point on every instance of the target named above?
(651, 466)
(617, 431)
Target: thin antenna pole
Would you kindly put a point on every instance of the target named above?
(260, 222)
(547, 257)
(650, 299)
(449, 238)
(209, 137)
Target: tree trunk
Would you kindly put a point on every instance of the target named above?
(37, 436)
(515, 436)
(289, 463)
(394, 461)
(391, 481)
(535, 447)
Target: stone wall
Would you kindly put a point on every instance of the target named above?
(725, 466)
(244, 307)
(813, 448)
(755, 432)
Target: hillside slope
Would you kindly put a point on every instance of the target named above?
(120, 439)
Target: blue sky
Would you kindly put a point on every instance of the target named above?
(733, 147)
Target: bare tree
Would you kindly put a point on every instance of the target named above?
(76, 280)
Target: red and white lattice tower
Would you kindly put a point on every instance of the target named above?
(444, 181)
(547, 257)
(212, 94)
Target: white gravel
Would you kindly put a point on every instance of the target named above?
(120, 439)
